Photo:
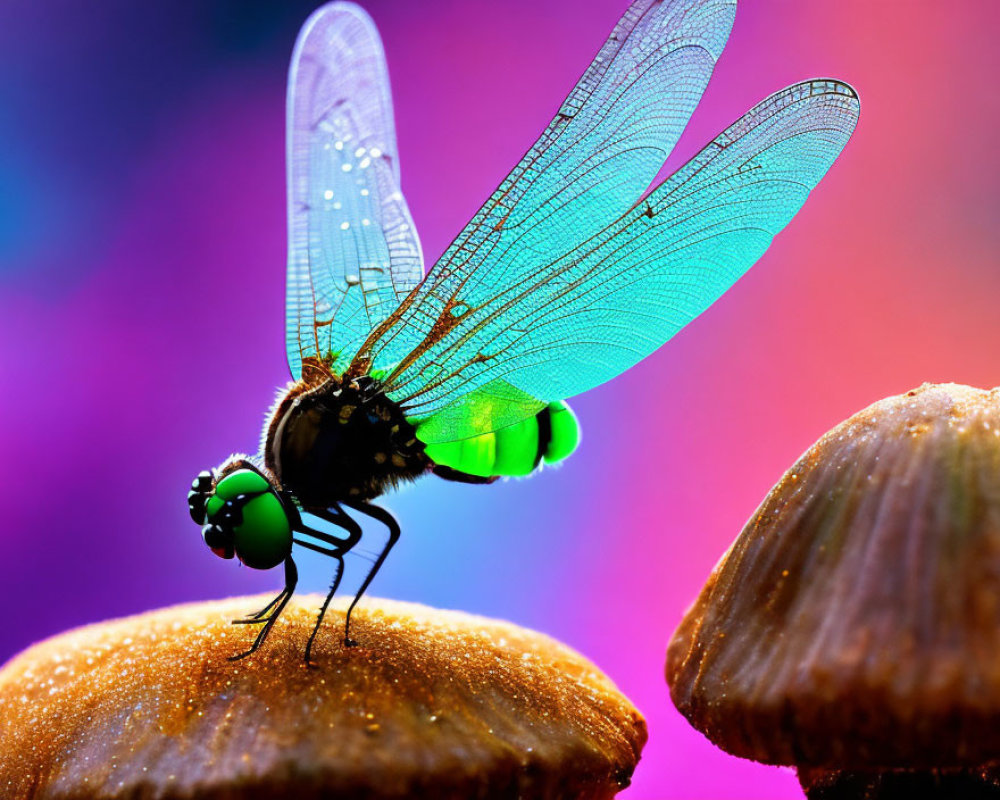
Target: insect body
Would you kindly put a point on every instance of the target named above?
(562, 280)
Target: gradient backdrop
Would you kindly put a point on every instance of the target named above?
(142, 247)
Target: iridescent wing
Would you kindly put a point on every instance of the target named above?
(353, 251)
(490, 348)
(598, 154)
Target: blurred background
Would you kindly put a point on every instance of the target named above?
(142, 249)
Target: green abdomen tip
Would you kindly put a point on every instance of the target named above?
(565, 432)
(550, 436)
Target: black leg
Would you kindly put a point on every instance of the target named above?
(329, 596)
(279, 603)
(333, 515)
(389, 521)
(252, 619)
(339, 547)
(341, 520)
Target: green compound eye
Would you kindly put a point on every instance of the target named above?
(243, 481)
(264, 538)
(245, 506)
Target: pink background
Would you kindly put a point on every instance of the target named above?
(141, 278)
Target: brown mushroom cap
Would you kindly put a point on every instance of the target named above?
(855, 622)
(432, 704)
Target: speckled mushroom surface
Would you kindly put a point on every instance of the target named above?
(431, 704)
(856, 619)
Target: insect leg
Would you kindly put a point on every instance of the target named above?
(390, 522)
(252, 619)
(279, 603)
(341, 520)
(339, 548)
(339, 557)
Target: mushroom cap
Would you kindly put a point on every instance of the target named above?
(431, 704)
(855, 622)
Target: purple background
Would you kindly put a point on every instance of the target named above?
(142, 246)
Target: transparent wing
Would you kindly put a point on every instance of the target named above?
(599, 153)
(353, 251)
(579, 318)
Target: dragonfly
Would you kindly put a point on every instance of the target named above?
(570, 273)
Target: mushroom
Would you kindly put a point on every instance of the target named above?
(434, 704)
(853, 628)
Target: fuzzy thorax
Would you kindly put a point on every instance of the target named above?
(331, 439)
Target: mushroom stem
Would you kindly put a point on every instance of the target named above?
(982, 783)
